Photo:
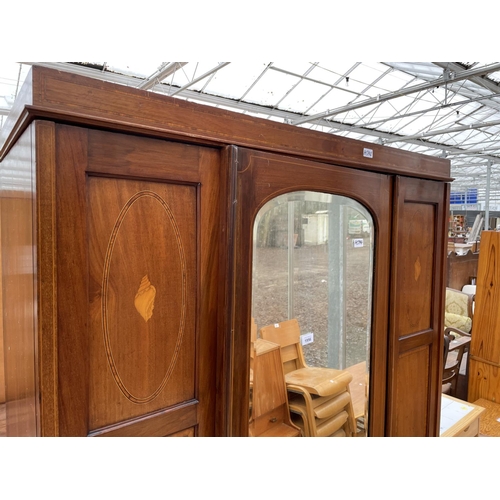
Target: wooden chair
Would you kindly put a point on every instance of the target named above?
(270, 415)
(454, 353)
(459, 312)
(318, 397)
(446, 384)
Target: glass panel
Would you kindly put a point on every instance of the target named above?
(313, 263)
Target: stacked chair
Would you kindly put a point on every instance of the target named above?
(269, 412)
(319, 398)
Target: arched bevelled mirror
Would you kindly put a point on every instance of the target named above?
(312, 296)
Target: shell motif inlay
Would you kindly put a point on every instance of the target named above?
(418, 269)
(145, 299)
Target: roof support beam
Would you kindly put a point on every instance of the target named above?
(196, 80)
(394, 95)
(479, 80)
(446, 131)
(165, 70)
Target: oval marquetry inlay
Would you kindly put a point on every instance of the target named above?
(143, 302)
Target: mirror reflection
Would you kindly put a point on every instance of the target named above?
(311, 316)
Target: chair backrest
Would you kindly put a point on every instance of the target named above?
(287, 335)
(454, 352)
(458, 310)
(446, 384)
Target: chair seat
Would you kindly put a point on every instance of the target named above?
(322, 406)
(329, 426)
(451, 360)
(320, 381)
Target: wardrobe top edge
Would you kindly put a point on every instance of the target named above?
(66, 97)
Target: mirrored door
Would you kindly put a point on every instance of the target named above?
(311, 254)
(312, 276)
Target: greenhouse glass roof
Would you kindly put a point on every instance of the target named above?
(445, 109)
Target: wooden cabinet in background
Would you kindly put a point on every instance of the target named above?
(461, 269)
(484, 368)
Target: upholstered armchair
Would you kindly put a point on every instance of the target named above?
(457, 331)
(458, 313)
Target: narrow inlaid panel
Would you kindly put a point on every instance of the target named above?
(417, 268)
(142, 247)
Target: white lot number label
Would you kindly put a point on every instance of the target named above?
(307, 338)
(357, 242)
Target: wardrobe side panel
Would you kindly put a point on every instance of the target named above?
(18, 198)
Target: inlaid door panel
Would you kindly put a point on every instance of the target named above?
(416, 308)
(137, 352)
(142, 244)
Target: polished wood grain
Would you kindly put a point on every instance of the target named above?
(139, 157)
(180, 421)
(484, 367)
(485, 344)
(142, 247)
(417, 305)
(141, 347)
(72, 98)
(3, 428)
(19, 291)
(417, 268)
(489, 423)
(72, 264)
(410, 396)
(484, 380)
(184, 433)
(225, 304)
(47, 287)
(262, 176)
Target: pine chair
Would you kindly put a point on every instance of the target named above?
(270, 415)
(318, 397)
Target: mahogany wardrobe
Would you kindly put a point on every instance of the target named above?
(127, 226)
